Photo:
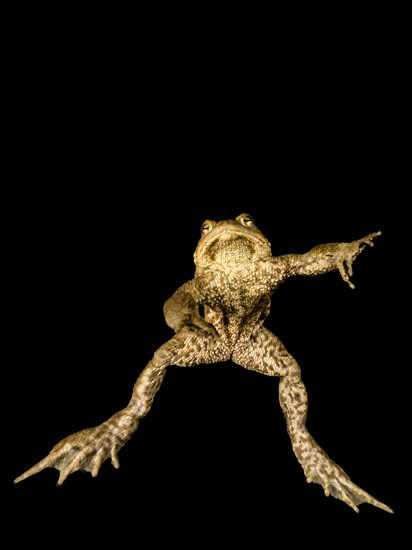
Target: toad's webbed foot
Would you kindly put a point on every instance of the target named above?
(319, 468)
(86, 450)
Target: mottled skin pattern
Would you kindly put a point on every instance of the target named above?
(235, 278)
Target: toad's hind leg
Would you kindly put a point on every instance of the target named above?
(266, 354)
(317, 465)
(87, 449)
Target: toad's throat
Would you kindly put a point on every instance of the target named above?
(232, 250)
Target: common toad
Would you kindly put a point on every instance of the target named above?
(219, 316)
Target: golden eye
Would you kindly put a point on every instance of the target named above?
(207, 226)
(246, 220)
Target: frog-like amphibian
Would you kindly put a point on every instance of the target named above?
(219, 316)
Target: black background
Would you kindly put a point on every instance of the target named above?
(114, 159)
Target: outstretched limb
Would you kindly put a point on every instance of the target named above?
(86, 450)
(268, 356)
(324, 258)
(316, 464)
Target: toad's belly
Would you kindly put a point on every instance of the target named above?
(238, 293)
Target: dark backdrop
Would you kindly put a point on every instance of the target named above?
(112, 172)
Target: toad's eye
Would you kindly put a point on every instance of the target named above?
(207, 227)
(246, 220)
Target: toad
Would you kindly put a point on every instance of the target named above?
(219, 316)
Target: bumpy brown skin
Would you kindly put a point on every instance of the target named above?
(235, 278)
